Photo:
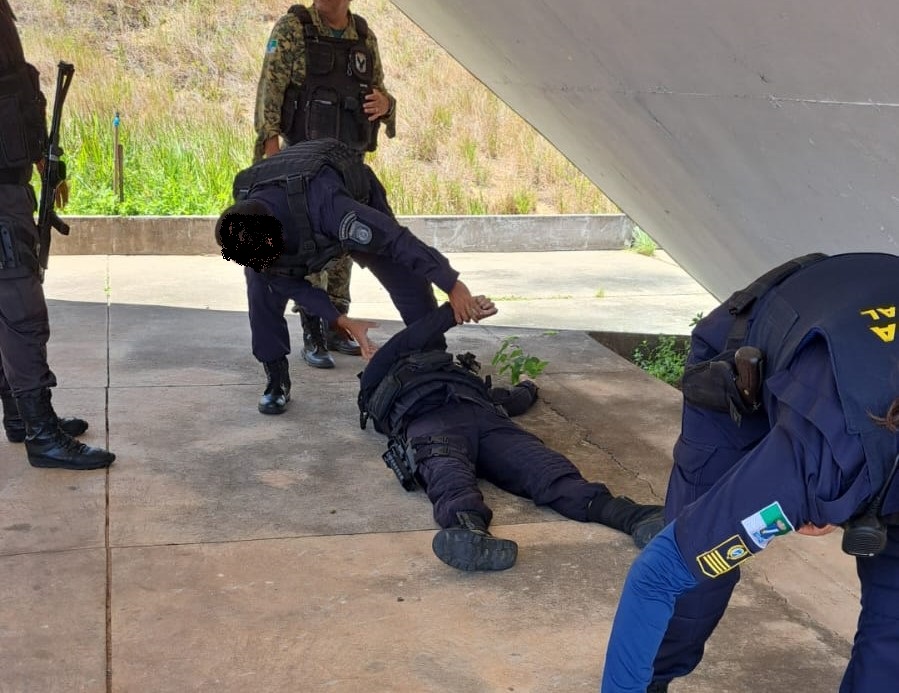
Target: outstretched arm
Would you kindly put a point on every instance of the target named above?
(424, 334)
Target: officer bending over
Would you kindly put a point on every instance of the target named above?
(790, 420)
(25, 376)
(298, 211)
(446, 430)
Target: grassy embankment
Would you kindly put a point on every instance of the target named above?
(183, 75)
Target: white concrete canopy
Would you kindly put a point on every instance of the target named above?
(737, 134)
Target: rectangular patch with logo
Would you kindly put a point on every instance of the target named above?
(767, 523)
(272, 46)
(724, 557)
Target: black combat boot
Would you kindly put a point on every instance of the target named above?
(47, 445)
(642, 522)
(658, 687)
(15, 427)
(277, 390)
(469, 546)
(337, 340)
(315, 352)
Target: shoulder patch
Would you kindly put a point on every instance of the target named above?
(724, 557)
(351, 229)
(272, 46)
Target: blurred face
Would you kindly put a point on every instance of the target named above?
(254, 241)
(332, 9)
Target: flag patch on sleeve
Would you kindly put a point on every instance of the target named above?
(724, 557)
(767, 523)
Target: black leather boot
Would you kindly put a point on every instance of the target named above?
(277, 390)
(315, 351)
(47, 445)
(15, 427)
(339, 341)
(469, 546)
(642, 522)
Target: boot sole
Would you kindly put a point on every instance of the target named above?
(57, 464)
(470, 551)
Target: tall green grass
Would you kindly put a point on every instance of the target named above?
(183, 75)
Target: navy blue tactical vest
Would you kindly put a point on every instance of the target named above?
(859, 293)
(292, 168)
(410, 380)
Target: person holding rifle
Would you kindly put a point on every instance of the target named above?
(25, 375)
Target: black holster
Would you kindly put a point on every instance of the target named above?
(712, 385)
(401, 461)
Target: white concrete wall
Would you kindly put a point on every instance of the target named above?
(738, 134)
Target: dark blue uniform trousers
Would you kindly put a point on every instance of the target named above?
(710, 444)
(488, 445)
(873, 665)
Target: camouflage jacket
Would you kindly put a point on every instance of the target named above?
(285, 62)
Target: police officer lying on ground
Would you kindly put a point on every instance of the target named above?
(446, 430)
(298, 211)
(790, 419)
(25, 375)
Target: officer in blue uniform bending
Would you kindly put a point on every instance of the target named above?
(447, 427)
(297, 212)
(790, 420)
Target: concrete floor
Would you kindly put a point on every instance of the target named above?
(227, 551)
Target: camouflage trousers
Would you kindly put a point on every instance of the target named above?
(336, 281)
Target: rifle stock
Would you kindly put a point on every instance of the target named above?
(54, 171)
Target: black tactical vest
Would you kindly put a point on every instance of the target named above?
(860, 292)
(292, 168)
(408, 381)
(23, 125)
(339, 73)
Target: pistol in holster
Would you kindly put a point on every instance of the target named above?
(731, 382)
(401, 461)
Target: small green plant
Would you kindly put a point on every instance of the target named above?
(642, 243)
(664, 361)
(511, 359)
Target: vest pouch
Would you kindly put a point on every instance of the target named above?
(323, 114)
(290, 128)
(320, 57)
(356, 130)
(22, 113)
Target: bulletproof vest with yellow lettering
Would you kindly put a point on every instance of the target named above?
(329, 103)
(850, 301)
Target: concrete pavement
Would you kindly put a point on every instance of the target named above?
(227, 551)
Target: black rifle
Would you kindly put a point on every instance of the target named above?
(54, 171)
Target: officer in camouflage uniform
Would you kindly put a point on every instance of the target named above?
(322, 77)
(25, 376)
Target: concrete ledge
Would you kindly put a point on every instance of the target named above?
(451, 234)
